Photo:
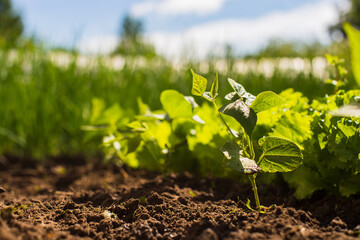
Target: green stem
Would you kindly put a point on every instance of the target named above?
(223, 120)
(260, 159)
(254, 188)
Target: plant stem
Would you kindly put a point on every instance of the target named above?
(254, 188)
(223, 120)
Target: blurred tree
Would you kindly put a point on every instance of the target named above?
(281, 48)
(131, 39)
(11, 26)
(352, 16)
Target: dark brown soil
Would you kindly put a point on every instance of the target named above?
(60, 200)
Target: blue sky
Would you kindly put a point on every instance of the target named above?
(179, 26)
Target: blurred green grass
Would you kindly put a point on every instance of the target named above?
(44, 102)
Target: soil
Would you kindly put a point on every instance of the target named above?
(68, 198)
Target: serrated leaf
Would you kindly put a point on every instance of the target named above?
(248, 98)
(354, 39)
(242, 113)
(236, 161)
(207, 96)
(279, 155)
(199, 84)
(266, 100)
(215, 86)
(293, 126)
(175, 104)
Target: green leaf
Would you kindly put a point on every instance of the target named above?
(354, 39)
(242, 113)
(350, 185)
(97, 107)
(215, 86)
(334, 60)
(266, 100)
(248, 98)
(305, 180)
(279, 155)
(236, 161)
(175, 104)
(347, 129)
(136, 126)
(133, 143)
(199, 84)
(293, 126)
(153, 116)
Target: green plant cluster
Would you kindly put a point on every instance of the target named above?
(44, 103)
(330, 143)
(184, 136)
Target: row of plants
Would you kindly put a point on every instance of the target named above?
(44, 104)
(314, 143)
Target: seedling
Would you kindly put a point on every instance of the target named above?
(277, 154)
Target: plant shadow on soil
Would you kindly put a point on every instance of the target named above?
(68, 198)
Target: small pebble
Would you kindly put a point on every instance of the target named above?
(2, 190)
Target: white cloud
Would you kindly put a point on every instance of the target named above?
(176, 7)
(306, 23)
(98, 44)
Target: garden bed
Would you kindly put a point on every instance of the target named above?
(67, 198)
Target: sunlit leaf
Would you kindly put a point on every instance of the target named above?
(279, 155)
(248, 98)
(199, 84)
(242, 113)
(207, 96)
(236, 161)
(354, 39)
(233, 96)
(266, 100)
(175, 104)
